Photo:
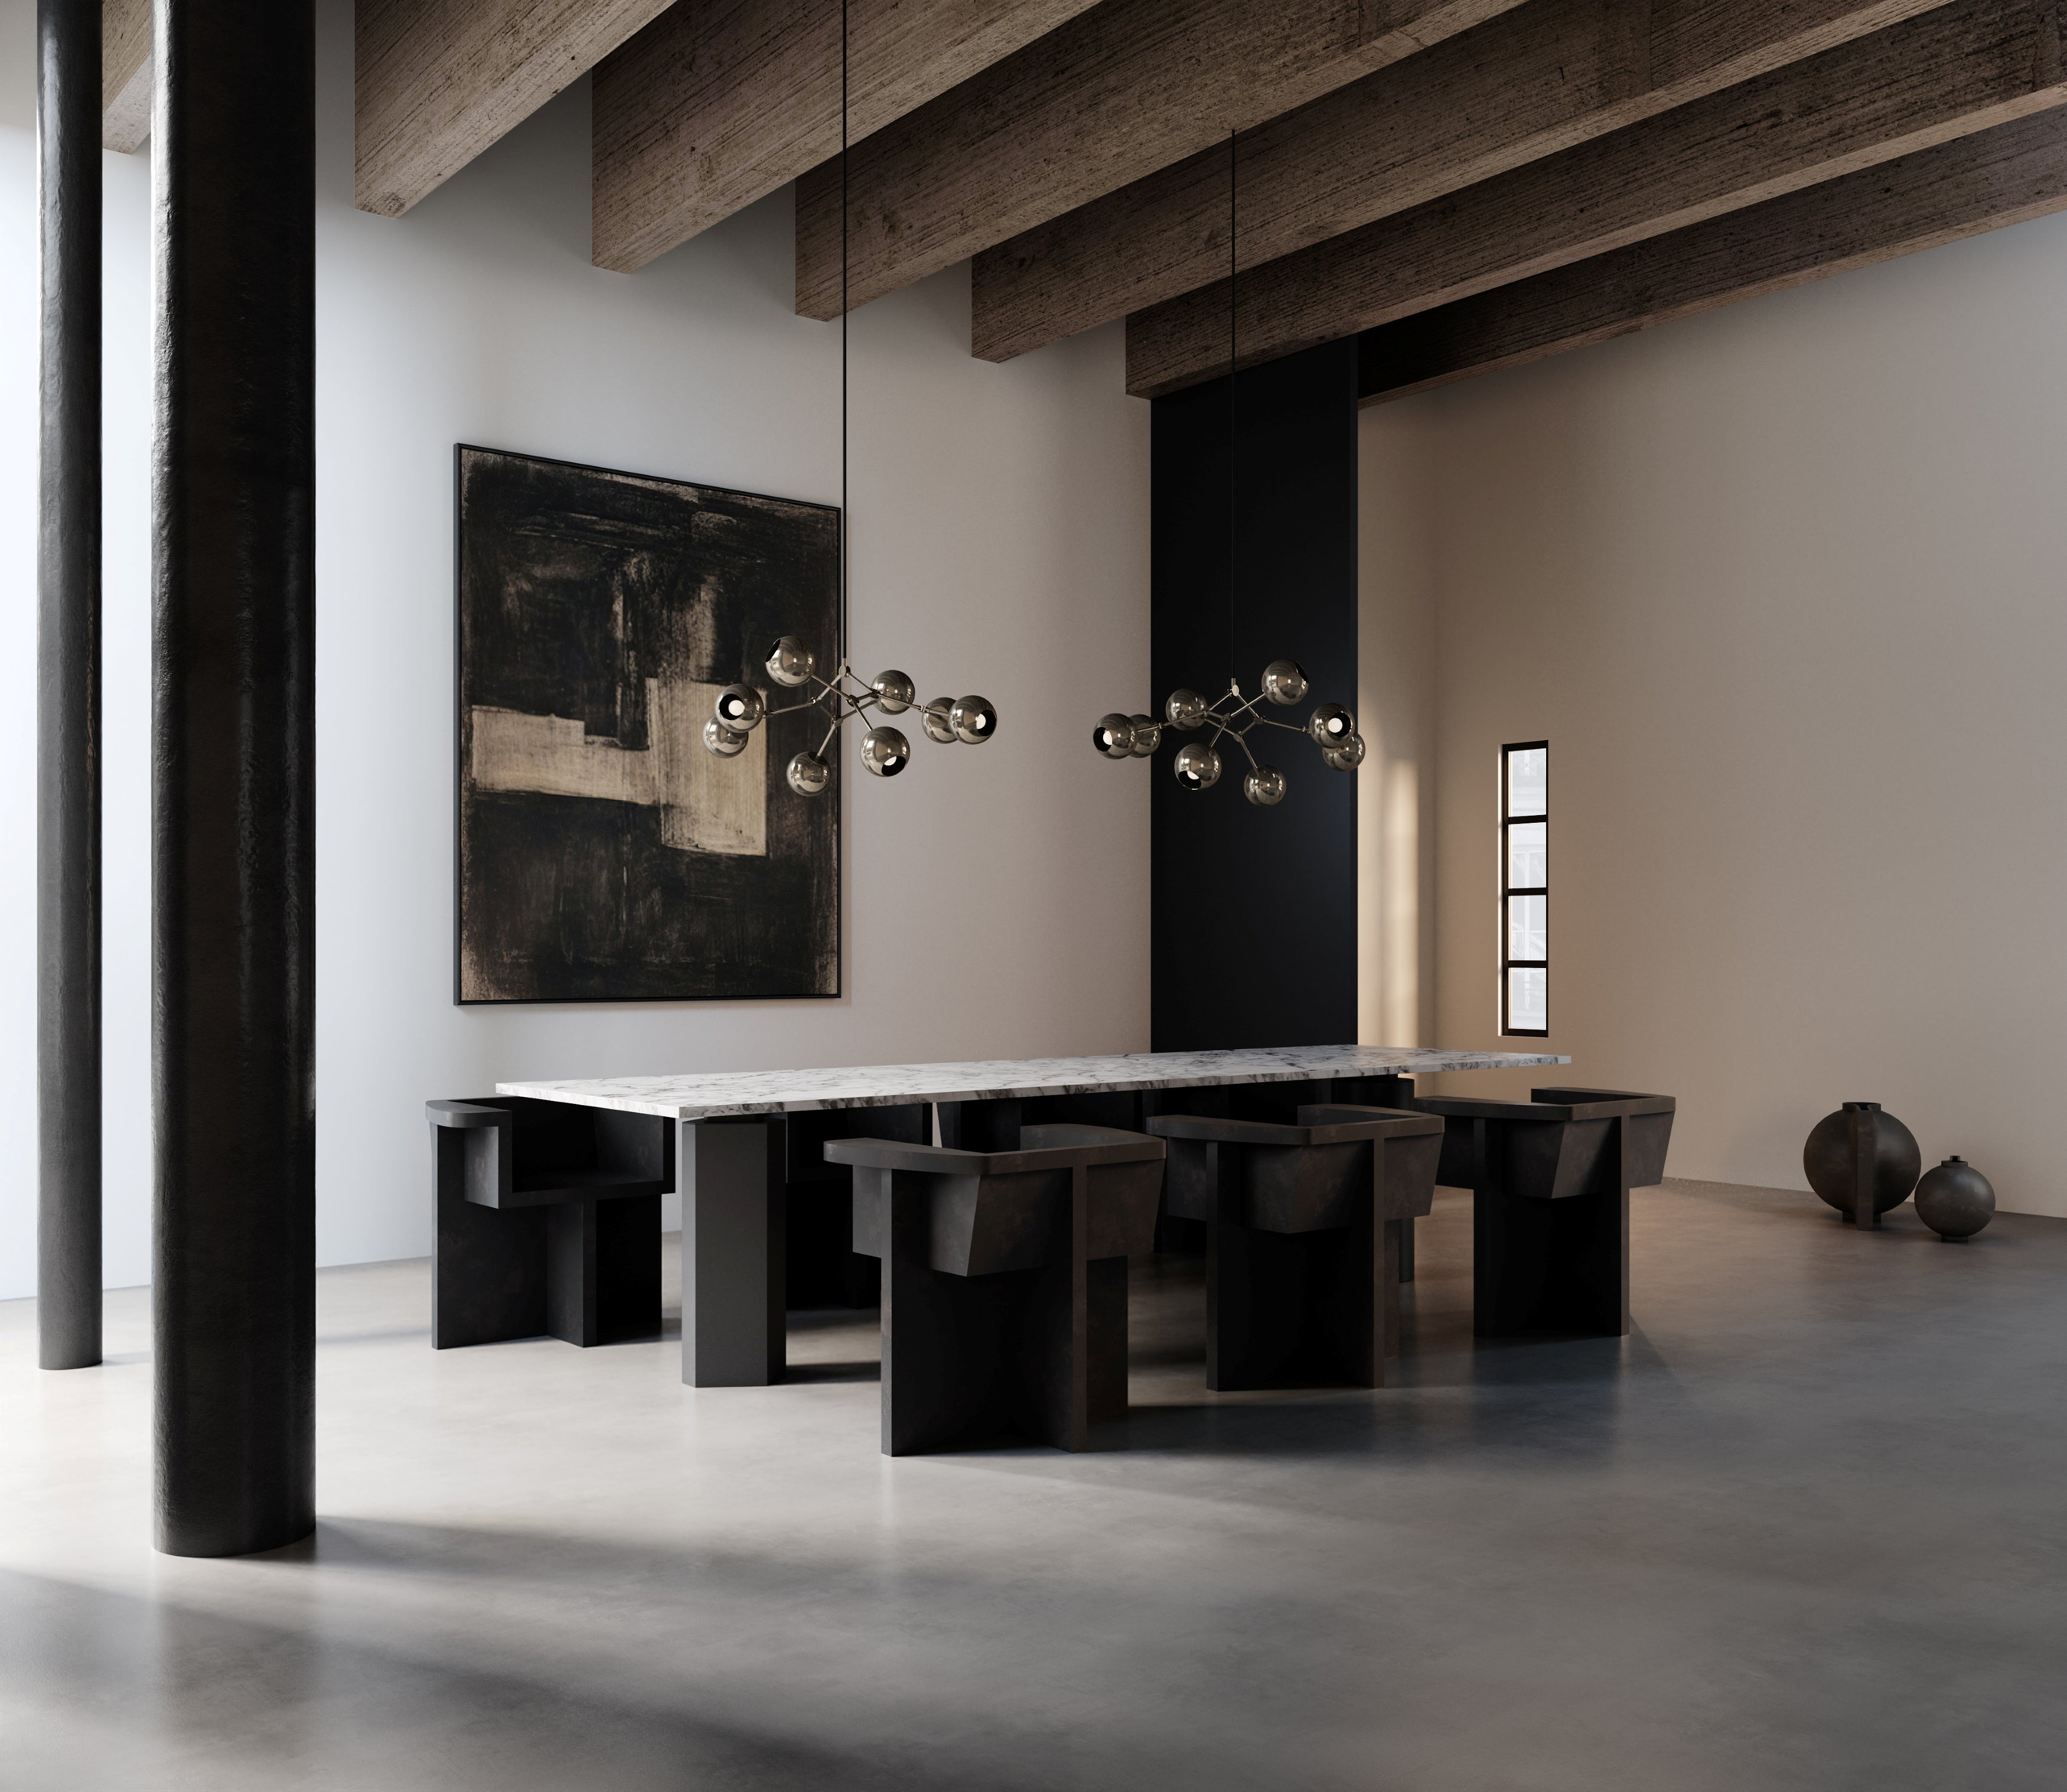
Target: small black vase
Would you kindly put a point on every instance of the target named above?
(1955, 1200)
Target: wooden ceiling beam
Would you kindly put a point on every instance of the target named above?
(1124, 88)
(2005, 175)
(717, 102)
(1963, 68)
(1527, 84)
(125, 75)
(438, 81)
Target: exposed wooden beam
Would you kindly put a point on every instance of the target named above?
(1526, 85)
(125, 75)
(1125, 88)
(2014, 172)
(1961, 69)
(438, 81)
(719, 102)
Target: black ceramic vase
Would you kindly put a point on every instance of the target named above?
(1860, 1136)
(1955, 1200)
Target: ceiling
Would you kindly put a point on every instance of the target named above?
(1463, 184)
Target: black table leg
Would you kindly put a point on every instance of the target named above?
(731, 1180)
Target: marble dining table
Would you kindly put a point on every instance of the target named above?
(744, 1134)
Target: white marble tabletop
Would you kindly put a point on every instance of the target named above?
(710, 1096)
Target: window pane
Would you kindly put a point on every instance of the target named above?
(1528, 858)
(1528, 927)
(1528, 775)
(1527, 1001)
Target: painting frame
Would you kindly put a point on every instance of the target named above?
(811, 609)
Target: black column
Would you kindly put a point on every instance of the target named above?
(234, 794)
(1254, 929)
(68, 689)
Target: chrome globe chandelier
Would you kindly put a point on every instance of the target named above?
(885, 751)
(1232, 716)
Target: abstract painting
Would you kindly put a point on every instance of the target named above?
(604, 855)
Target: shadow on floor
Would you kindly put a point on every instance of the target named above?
(181, 1698)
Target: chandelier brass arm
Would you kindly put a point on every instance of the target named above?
(885, 751)
(1231, 715)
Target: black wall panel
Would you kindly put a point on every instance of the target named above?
(1254, 931)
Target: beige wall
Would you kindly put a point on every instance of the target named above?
(1396, 711)
(1783, 586)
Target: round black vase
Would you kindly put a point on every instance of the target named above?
(1826, 1159)
(1955, 1200)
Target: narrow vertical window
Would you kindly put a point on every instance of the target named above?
(1524, 887)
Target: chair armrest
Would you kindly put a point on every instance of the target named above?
(1587, 1104)
(1332, 1122)
(464, 1113)
(1226, 1132)
(892, 1154)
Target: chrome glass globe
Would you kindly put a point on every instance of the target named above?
(1197, 766)
(1285, 681)
(973, 720)
(790, 662)
(894, 689)
(1185, 709)
(809, 774)
(1113, 735)
(935, 718)
(1148, 735)
(1331, 724)
(741, 707)
(1346, 756)
(1264, 785)
(726, 742)
(885, 751)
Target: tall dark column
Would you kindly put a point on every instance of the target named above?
(233, 761)
(1254, 928)
(68, 689)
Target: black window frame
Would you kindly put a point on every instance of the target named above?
(1509, 891)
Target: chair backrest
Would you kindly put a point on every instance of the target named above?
(1559, 1144)
(989, 1212)
(1310, 1177)
(525, 1150)
(1549, 1104)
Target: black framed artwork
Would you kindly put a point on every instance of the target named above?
(603, 854)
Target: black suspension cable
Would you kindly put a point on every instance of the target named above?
(1231, 265)
(842, 655)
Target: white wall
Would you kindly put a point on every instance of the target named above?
(1783, 586)
(996, 899)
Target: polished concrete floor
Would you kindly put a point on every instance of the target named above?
(1806, 1527)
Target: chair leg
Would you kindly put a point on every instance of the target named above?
(1510, 1257)
(488, 1265)
(1394, 1242)
(1351, 1311)
(627, 1268)
(1588, 1281)
(571, 1310)
(1039, 1352)
(1558, 1266)
(945, 1340)
(1105, 1337)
